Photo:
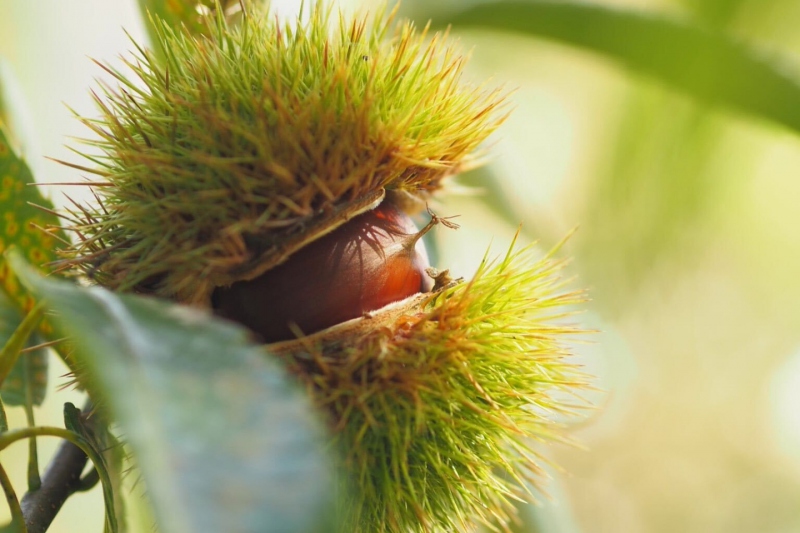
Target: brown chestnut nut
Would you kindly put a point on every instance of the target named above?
(370, 261)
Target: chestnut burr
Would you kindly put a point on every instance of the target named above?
(372, 260)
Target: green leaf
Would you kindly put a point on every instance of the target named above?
(224, 440)
(19, 219)
(706, 64)
(33, 231)
(26, 380)
(27, 377)
(22, 224)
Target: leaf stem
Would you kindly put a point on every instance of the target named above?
(62, 477)
(17, 518)
(3, 418)
(34, 479)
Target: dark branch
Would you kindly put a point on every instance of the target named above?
(60, 481)
(62, 478)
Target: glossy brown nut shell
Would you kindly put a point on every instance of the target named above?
(367, 263)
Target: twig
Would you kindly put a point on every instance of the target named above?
(60, 481)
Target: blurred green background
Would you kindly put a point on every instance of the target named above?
(688, 239)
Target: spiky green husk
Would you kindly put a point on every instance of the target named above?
(218, 158)
(436, 412)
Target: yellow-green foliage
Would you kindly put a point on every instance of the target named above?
(239, 141)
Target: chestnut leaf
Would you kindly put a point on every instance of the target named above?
(26, 382)
(22, 225)
(223, 438)
(28, 223)
(707, 64)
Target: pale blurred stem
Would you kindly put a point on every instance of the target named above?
(34, 480)
(3, 418)
(17, 518)
(60, 481)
